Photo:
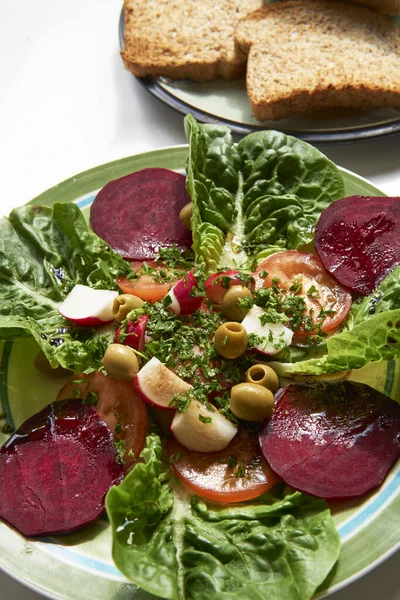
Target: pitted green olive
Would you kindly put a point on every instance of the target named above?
(123, 305)
(263, 375)
(230, 303)
(231, 340)
(185, 215)
(120, 362)
(251, 402)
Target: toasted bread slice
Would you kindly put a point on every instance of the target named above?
(307, 55)
(184, 39)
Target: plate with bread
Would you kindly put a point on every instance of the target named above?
(323, 70)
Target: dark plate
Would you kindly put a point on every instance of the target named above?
(225, 103)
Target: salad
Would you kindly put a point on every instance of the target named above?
(194, 513)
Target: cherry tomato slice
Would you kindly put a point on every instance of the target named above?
(319, 290)
(145, 286)
(118, 404)
(235, 474)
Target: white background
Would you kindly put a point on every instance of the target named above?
(67, 104)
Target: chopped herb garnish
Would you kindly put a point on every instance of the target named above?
(204, 419)
(90, 398)
(312, 292)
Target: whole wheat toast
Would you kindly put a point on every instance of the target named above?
(307, 55)
(182, 39)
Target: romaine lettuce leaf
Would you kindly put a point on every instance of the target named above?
(44, 252)
(281, 546)
(371, 334)
(266, 191)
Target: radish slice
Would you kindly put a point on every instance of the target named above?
(181, 300)
(273, 336)
(87, 306)
(202, 430)
(133, 333)
(157, 384)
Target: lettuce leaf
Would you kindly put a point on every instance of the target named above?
(282, 546)
(371, 334)
(265, 192)
(44, 252)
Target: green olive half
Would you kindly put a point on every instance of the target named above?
(251, 402)
(185, 215)
(120, 362)
(263, 375)
(231, 340)
(123, 304)
(230, 303)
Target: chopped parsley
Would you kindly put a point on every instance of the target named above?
(204, 419)
(90, 398)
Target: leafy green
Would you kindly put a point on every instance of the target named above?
(371, 334)
(282, 546)
(44, 252)
(266, 191)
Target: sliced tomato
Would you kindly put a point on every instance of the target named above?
(145, 286)
(118, 404)
(235, 474)
(320, 291)
(217, 284)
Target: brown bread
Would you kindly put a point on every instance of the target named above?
(307, 55)
(184, 39)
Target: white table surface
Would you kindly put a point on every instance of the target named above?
(67, 104)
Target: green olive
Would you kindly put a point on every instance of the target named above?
(251, 402)
(263, 375)
(185, 215)
(230, 306)
(231, 340)
(123, 305)
(120, 362)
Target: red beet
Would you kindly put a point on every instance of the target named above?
(333, 441)
(56, 470)
(139, 214)
(358, 240)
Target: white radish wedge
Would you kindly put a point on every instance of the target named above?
(202, 430)
(273, 336)
(182, 300)
(157, 384)
(87, 306)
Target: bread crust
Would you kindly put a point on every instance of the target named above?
(184, 40)
(309, 55)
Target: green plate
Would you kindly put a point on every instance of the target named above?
(68, 567)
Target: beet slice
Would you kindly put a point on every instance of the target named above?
(138, 214)
(56, 470)
(358, 240)
(118, 404)
(334, 441)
